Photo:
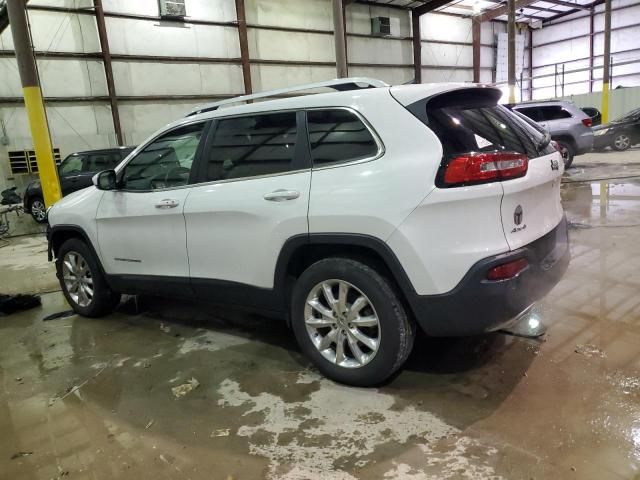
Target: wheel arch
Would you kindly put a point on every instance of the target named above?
(566, 139)
(59, 234)
(300, 252)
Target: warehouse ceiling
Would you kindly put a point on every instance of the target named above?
(526, 10)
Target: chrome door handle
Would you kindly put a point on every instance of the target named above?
(281, 195)
(167, 203)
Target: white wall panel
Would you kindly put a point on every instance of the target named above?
(64, 78)
(433, 76)
(393, 76)
(379, 50)
(445, 27)
(146, 78)
(310, 14)
(359, 19)
(278, 45)
(217, 11)
(10, 85)
(269, 77)
(59, 32)
(141, 119)
(447, 55)
(136, 37)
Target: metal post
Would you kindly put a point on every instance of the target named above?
(417, 47)
(591, 41)
(108, 70)
(607, 62)
(33, 102)
(476, 26)
(562, 81)
(339, 39)
(511, 51)
(530, 64)
(555, 81)
(244, 46)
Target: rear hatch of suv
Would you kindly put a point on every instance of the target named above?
(484, 142)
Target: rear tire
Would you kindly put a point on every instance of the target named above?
(621, 142)
(82, 281)
(38, 210)
(567, 151)
(367, 318)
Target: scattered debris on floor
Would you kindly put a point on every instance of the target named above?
(20, 455)
(54, 316)
(182, 390)
(222, 432)
(19, 379)
(14, 303)
(148, 425)
(165, 328)
(590, 350)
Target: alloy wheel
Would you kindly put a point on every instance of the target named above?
(38, 210)
(342, 323)
(622, 142)
(77, 278)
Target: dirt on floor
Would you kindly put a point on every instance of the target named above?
(96, 398)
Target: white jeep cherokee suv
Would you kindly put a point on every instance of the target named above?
(355, 214)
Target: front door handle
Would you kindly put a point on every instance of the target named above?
(167, 203)
(282, 195)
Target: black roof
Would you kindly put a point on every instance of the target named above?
(104, 150)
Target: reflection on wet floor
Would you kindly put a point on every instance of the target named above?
(92, 398)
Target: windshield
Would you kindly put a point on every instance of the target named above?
(629, 115)
(71, 164)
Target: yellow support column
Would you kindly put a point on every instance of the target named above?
(607, 62)
(33, 102)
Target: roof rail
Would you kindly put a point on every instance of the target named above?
(340, 84)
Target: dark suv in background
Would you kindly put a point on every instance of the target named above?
(75, 173)
(568, 125)
(620, 134)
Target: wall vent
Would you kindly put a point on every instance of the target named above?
(172, 9)
(381, 26)
(23, 162)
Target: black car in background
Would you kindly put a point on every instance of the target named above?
(594, 113)
(619, 134)
(75, 173)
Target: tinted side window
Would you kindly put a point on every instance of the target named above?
(250, 146)
(166, 162)
(72, 164)
(338, 136)
(532, 112)
(97, 162)
(554, 112)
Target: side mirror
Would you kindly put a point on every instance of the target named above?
(105, 180)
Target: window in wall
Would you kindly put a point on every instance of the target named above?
(338, 136)
(24, 161)
(251, 146)
(166, 162)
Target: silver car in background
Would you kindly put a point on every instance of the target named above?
(568, 125)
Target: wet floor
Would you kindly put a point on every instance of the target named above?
(92, 398)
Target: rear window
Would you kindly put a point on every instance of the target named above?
(545, 113)
(483, 127)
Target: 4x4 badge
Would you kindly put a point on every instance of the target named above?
(555, 165)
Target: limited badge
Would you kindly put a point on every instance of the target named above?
(555, 165)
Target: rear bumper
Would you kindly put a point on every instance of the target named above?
(476, 305)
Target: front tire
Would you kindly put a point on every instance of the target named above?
(38, 210)
(82, 281)
(350, 322)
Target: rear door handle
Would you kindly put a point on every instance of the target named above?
(167, 203)
(281, 195)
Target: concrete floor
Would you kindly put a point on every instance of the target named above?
(92, 398)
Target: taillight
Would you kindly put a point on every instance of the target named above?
(587, 122)
(485, 167)
(507, 270)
